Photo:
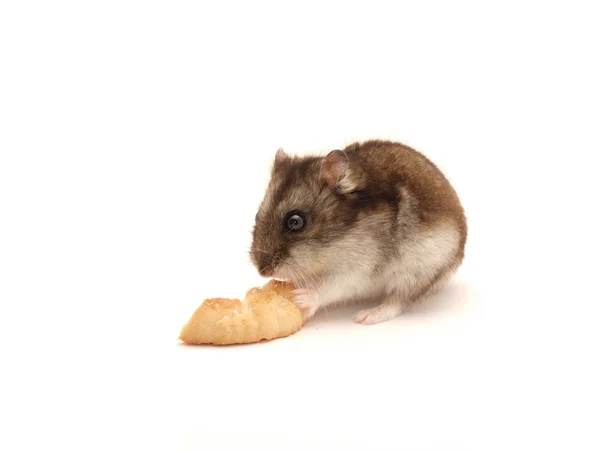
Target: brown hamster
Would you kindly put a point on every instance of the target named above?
(376, 220)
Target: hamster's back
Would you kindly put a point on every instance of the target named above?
(408, 170)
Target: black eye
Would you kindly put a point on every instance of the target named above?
(294, 221)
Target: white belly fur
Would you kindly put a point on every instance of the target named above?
(422, 258)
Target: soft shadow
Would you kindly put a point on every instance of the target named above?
(447, 300)
(212, 347)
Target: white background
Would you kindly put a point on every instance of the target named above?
(135, 144)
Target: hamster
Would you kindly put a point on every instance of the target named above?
(374, 221)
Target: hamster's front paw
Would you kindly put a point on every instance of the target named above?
(307, 301)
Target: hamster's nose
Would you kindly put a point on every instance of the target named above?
(264, 266)
(265, 270)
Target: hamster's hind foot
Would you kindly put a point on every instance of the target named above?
(385, 311)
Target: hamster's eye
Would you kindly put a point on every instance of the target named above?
(294, 221)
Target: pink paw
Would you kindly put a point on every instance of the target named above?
(378, 314)
(306, 301)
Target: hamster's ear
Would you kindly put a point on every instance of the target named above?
(335, 172)
(280, 158)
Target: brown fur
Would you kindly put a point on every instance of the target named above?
(377, 171)
(396, 165)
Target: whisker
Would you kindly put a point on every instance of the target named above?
(262, 270)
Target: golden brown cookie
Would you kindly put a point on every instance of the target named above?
(266, 313)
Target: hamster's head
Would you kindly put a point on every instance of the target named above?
(308, 218)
